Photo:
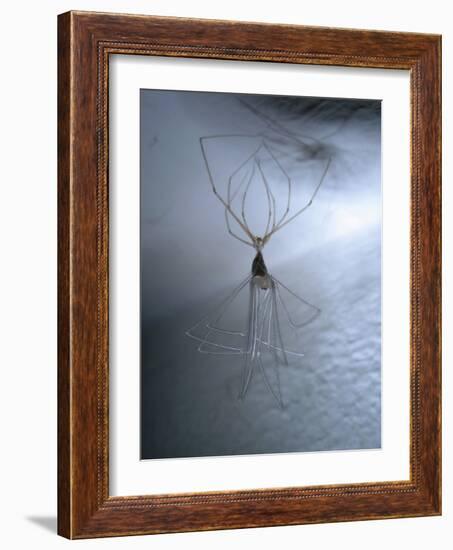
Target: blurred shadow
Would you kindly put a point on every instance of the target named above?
(49, 523)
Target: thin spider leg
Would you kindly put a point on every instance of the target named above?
(252, 320)
(340, 127)
(244, 197)
(266, 303)
(229, 350)
(233, 174)
(277, 127)
(291, 324)
(271, 201)
(269, 214)
(220, 310)
(211, 328)
(224, 331)
(270, 326)
(265, 317)
(231, 197)
(227, 216)
(312, 198)
(204, 138)
(342, 151)
(288, 179)
(223, 136)
(270, 333)
(266, 320)
(246, 364)
(272, 329)
(253, 350)
(283, 154)
(214, 188)
(294, 325)
(283, 350)
(225, 302)
(317, 311)
(258, 307)
(277, 328)
(232, 233)
(276, 364)
(276, 394)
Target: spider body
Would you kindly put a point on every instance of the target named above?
(261, 343)
(261, 277)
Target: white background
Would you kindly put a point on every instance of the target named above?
(28, 272)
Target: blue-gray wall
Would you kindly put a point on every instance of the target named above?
(330, 256)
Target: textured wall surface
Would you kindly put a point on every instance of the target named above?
(330, 255)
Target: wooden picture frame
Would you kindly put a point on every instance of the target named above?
(85, 42)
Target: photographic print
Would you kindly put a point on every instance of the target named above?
(260, 267)
(225, 243)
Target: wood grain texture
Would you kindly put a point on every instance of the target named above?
(64, 426)
(86, 40)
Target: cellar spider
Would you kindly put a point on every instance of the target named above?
(268, 300)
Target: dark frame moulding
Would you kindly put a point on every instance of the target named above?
(85, 42)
